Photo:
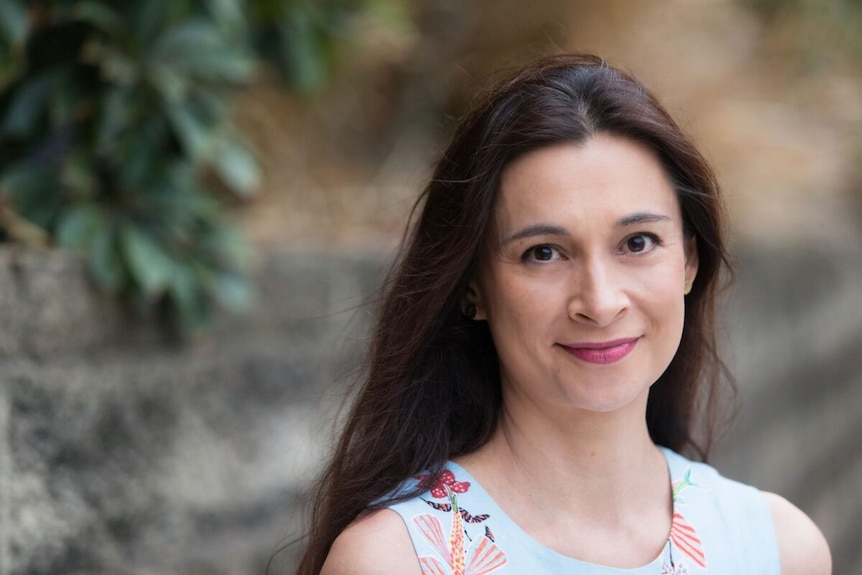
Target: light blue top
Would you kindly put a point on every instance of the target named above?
(719, 526)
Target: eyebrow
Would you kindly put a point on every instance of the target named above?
(642, 218)
(552, 230)
(536, 230)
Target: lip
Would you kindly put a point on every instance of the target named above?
(602, 352)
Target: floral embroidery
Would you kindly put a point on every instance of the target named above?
(683, 536)
(447, 479)
(456, 553)
(667, 569)
(480, 558)
(680, 484)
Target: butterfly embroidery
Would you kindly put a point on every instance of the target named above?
(446, 508)
(454, 557)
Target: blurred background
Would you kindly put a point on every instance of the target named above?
(198, 199)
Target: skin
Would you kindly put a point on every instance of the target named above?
(374, 545)
(801, 545)
(587, 247)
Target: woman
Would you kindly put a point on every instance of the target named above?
(544, 350)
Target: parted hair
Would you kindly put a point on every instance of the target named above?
(430, 390)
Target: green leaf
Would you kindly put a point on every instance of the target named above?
(189, 299)
(307, 35)
(196, 48)
(208, 103)
(18, 180)
(237, 167)
(194, 134)
(32, 189)
(232, 291)
(392, 13)
(29, 103)
(79, 225)
(106, 263)
(171, 86)
(227, 246)
(99, 15)
(67, 99)
(146, 148)
(191, 35)
(183, 289)
(115, 114)
(217, 63)
(147, 20)
(149, 265)
(79, 178)
(115, 64)
(302, 54)
(228, 14)
(9, 67)
(13, 22)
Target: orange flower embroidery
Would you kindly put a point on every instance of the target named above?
(682, 535)
(481, 558)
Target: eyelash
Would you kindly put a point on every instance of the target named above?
(529, 255)
(652, 237)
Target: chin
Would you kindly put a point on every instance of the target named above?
(621, 400)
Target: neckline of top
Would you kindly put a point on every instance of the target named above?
(670, 460)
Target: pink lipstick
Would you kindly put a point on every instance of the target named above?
(602, 353)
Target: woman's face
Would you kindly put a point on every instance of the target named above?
(583, 276)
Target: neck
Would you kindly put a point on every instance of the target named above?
(585, 461)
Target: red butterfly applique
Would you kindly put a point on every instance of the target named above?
(447, 478)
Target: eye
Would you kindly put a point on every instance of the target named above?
(543, 253)
(640, 243)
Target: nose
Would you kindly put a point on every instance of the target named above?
(598, 294)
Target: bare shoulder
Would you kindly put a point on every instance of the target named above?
(801, 545)
(377, 544)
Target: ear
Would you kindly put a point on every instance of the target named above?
(473, 297)
(691, 259)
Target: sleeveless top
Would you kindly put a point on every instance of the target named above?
(718, 526)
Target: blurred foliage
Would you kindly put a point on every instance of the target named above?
(818, 32)
(299, 37)
(819, 36)
(116, 136)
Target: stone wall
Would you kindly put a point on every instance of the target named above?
(795, 341)
(123, 454)
(120, 453)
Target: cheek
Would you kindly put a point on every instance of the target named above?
(660, 294)
(669, 307)
(508, 308)
(522, 302)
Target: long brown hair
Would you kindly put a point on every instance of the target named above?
(431, 389)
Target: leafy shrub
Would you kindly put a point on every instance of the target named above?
(813, 35)
(111, 113)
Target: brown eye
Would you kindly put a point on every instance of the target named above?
(540, 254)
(637, 244)
(543, 253)
(641, 243)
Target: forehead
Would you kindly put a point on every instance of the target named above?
(606, 177)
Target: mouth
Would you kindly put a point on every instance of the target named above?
(602, 353)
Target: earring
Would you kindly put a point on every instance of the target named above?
(471, 312)
(687, 289)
